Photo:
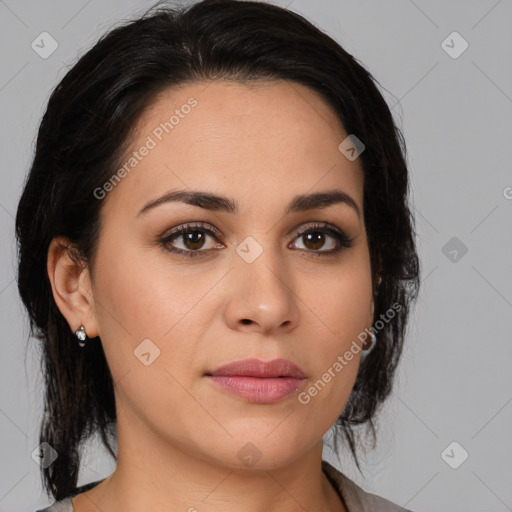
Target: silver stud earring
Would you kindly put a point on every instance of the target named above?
(81, 335)
(373, 342)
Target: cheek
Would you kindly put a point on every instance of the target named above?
(343, 300)
(141, 296)
(147, 320)
(342, 304)
(335, 353)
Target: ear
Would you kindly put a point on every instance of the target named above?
(71, 286)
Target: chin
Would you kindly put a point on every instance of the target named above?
(265, 452)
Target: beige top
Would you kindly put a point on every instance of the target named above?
(355, 499)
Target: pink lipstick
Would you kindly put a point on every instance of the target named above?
(259, 381)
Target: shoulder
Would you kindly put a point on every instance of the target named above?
(356, 499)
(65, 505)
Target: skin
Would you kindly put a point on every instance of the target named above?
(179, 436)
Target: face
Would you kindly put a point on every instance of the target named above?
(263, 273)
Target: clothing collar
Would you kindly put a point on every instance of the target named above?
(354, 497)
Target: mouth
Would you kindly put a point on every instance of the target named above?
(261, 369)
(258, 381)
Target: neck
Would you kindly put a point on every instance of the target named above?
(152, 474)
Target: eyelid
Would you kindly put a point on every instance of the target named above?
(343, 240)
(320, 225)
(190, 226)
(208, 227)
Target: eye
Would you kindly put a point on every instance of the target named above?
(314, 237)
(192, 237)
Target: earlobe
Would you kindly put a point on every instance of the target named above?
(71, 286)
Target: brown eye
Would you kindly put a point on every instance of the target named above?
(192, 238)
(315, 239)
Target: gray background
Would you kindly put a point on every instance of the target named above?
(454, 381)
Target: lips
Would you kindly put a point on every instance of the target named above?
(257, 368)
(258, 381)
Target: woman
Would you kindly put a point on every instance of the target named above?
(217, 254)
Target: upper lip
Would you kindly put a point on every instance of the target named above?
(258, 368)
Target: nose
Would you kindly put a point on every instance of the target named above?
(261, 297)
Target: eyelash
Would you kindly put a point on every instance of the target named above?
(344, 242)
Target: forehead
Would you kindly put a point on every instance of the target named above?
(253, 141)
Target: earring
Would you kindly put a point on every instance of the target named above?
(373, 342)
(81, 335)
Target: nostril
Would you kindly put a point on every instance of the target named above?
(246, 321)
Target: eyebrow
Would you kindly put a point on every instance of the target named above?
(218, 203)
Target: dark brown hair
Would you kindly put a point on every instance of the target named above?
(82, 139)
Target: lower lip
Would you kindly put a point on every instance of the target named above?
(258, 390)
